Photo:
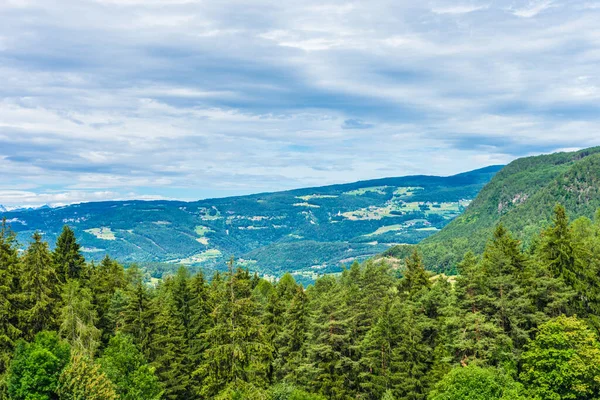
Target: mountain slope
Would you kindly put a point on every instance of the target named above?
(521, 196)
(306, 230)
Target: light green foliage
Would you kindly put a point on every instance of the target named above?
(83, 380)
(78, 319)
(128, 370)
(563, 362)
(36, 367)
(476, 383)
(290, 392)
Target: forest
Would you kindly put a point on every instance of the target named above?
(517, 322)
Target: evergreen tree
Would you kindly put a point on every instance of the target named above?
(395, 355)
(138, 316)
(557, 248)
(237, 357)
(9, 265)
(39, 288)
(168, 347)
(68, 261)
(329, 353)
(200, 309)
(291, 342)
(106, 278)
(78, 319)
(415, 275)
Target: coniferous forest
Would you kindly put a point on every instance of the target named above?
(517, 322)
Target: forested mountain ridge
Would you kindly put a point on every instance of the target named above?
(306, 231)
(519, 196)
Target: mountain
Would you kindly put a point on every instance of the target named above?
(2, 209)
(521, 196)
(308, 231)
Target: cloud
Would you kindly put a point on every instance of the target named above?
(534, 8)
(116, 98)
(458, 9)
(356, 124)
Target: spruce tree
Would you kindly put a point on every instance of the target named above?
(68, 261)
(106, 278)
(329, 353)
(291, 342)
(39, 288)
(168, 347)
(238, 353)
(138, 316)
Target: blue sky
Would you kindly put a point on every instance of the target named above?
(186, 99)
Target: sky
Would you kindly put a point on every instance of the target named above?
(189, 99)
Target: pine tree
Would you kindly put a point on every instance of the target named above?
(39, 286)
(78, 319)
(9, 265)
(68, 261)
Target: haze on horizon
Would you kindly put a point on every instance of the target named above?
(188, 99)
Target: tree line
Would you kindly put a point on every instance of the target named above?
(514, 324)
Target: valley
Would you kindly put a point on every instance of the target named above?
(308, 232)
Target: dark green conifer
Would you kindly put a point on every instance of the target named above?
(39, 289)
(68, 261)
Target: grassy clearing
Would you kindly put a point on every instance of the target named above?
(385, 229)
(202, 230)
(199, 258)
(406, 190)
(102, 233)
(372, 189)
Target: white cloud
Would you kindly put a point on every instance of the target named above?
(123, 97)
(458, 9)
(534, 8)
